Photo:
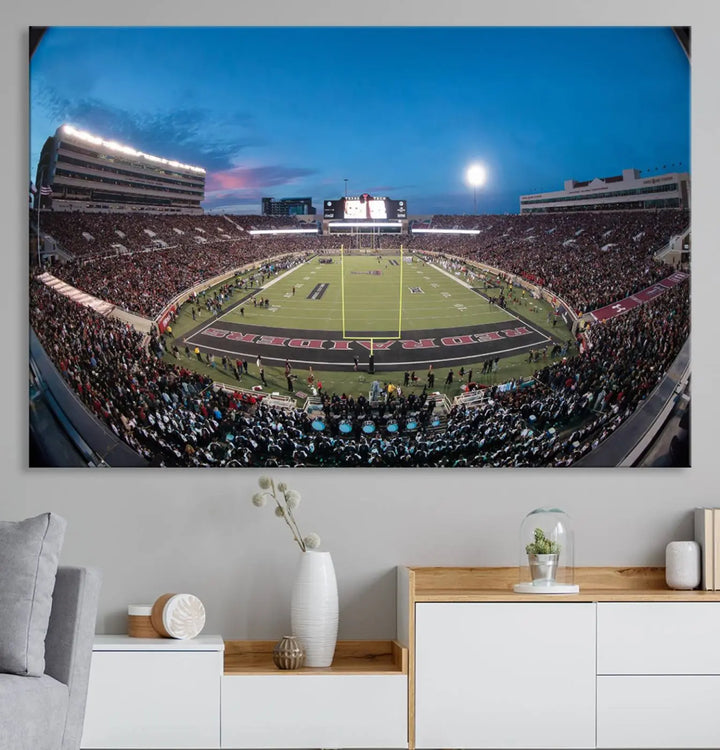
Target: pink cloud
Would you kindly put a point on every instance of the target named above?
(252, 178)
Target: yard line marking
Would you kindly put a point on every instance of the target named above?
(467, 286)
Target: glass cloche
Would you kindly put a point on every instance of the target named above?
(547, 553)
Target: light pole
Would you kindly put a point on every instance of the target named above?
(346, 182)
(476, 176)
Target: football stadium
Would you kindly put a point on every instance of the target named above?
(161, 335)
(425, 348)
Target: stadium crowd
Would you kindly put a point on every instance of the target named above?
(87, 235)
(140, 262)
(588, 259)
(175, 417)
(104, 234)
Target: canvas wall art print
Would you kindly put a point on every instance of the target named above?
(267, 247)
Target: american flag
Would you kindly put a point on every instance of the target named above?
(45, 190)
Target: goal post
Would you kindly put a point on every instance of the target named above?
(342, 287)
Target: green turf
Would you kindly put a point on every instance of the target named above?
(355, 383)
(372, 303)
(424, 309)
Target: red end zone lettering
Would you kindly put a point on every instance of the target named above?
(421, 344)
(340, 346)
(489, 336)
(379, 347)
(218, 333)
(271, 340)
(457, 340)
(512, 332)
(237, 336)
(306, 343)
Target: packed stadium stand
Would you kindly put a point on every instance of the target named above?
(141, 262)
(171, 416)
(589, 260)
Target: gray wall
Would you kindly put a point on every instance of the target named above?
(160, 531)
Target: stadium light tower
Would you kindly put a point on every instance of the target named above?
(476, 176)
(346, 181)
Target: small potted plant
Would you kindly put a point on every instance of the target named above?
(543, 555)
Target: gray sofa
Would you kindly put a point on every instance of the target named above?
(47, 712)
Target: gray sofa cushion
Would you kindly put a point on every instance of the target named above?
(69, 642)
(32, 712)
(29, 552)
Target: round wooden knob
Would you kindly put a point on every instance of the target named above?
(178, 616)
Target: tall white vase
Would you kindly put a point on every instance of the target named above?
(314, 608)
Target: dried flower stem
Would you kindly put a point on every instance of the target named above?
(288, 516)
(285, 501)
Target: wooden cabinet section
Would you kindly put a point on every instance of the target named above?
(491, 675)
(492, 668)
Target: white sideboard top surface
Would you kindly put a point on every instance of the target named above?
(126, 643)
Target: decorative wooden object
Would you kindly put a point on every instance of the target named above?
(178, 616)
(140, 621)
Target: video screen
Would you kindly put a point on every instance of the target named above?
(355, 209)
(378, 209)
(365, 208)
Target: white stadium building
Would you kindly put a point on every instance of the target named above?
(623, 192)
(78, 171)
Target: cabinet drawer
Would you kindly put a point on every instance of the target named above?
(658, 712)
(153, 700)
(301, 711)
(658, 638)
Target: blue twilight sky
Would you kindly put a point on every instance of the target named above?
(397, 111)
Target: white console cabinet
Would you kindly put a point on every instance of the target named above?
(154, 693)
(358, 702)
(658, 682)
(311, 711)
(625, 663)
(505, 675)
(161, 693)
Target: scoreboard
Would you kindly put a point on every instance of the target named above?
(364, 207)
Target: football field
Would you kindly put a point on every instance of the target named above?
(404, 312)
(368, 296)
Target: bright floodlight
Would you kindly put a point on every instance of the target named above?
(476, 175)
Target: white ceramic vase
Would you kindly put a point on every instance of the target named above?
(314, 608)
(682, 565)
